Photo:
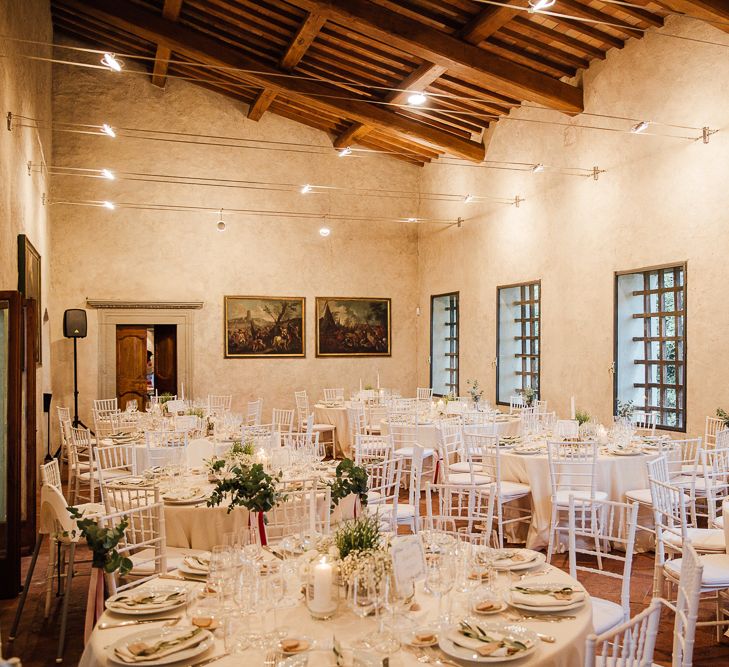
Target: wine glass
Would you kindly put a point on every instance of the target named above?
(439, 580)
(362, 600)
(276, 589)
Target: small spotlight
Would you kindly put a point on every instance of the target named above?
(417, 99)
(109, 205)
(108, 174)
(640, 127)
(325, 231)
(538, 168)
(108, 129)
(305, 189)
(468, 199)
(112, 63)
(412, 219)
(345, 151)
(221, 226)
(540, 5)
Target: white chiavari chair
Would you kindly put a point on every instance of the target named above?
(572, 472)
(106, 424)
(716, 473)
(541, 406)
(615, 523)
(484, 421)
(484, 449)
(254, 411)
(456, 464)
(188, 423)
(302, 509)
(645, 422)
(303, 412)
(400, 513)
(175, 405)
(529, 420)
(713, 426)
(334, 396)
(306, 441)
(262, 436)
(357, 420)
(106, 405)
(375, 414)
(687, 607)
(384, 475)
(567, 429)
(282, 420)
(631, 644)
(219, 404)
(516, 404)
(64, 415)
(405, 438)
(114, 462)
(80, 461)
(424, 393)
(372, 446)
(65, 428)
(166, 448)
(460, 510)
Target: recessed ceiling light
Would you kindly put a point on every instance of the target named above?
(325, 231)
(345, 151)
(538, 168)
(109, 205)
(108, 129)
(640, 127)
(110, 60)
(417, 99)
(108, 174)
(305, 189)
(540, 5)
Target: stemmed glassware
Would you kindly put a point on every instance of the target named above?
(439, 579)
(362, 599)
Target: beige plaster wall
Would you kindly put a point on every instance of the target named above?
(25, 90)
(152, 255)
(661, 201)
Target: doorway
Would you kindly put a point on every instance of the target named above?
(146, 362)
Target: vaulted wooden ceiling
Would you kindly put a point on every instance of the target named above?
(344, 66)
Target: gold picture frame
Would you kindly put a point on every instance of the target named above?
(29, 285)
(353, 327)
(272, 327)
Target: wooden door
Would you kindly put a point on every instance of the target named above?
(165, 358)
(131, 364)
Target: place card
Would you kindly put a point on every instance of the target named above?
(408, 559)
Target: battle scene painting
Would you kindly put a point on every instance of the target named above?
(352, 327)
(264, 326)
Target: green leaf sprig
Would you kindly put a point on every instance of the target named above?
(349, 478)
(247, 486)
(721, 414)
(103, 541)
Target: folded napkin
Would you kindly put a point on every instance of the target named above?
(514, 557)
(167, 644)
(199, 562)
(487, 642)
(150, 600)
(552, 596)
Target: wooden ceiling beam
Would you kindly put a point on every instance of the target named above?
(302, 40)
(547, 35)
(154, 27)
(712, 11)
(586, 12)
(171, 11)
(488, 21)
(454, 54)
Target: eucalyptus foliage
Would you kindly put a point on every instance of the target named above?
(247, 486)
(103, 541)
(349, 479)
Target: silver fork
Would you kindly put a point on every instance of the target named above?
(546, 618)
(270, 660)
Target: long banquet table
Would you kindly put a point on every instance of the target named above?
(566, 651)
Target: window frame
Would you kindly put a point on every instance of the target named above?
(661, 339)
(457, 352)
(526, 283)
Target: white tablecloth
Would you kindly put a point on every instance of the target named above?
(567, 651)
(198, 449)
(337, 417)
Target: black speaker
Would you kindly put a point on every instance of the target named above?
(74, 323)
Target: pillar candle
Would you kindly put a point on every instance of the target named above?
(572, 408)
(323, 580)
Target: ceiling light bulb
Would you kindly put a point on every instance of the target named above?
(325, 231)
(468, 199)
(345, 151)
(108, 129)
(417, 99)
(305, 189)
(109, 205)
(108, 174)
(112, 63)
(412, 219)
(640, 127)
(538, 168)
(221, 226)
(540, 5)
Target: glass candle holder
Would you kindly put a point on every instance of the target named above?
(322, 592)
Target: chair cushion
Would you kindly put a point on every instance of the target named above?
(643, 496)
(562, 498)
(466, 479)
(703, 539)
(514, 489)
(716, 570)
(605, 615)
(407, 452)
(685, 481)
(323, 427)
(405, 511)
(463, 466)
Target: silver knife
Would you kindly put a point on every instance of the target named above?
(123, 624)
(209, 660)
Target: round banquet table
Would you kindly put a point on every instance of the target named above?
(615, 476)
(198, 449)
(337, 417)
(567, 651)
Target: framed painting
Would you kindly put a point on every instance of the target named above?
(352, 327)
(29, 284)
(264, 326)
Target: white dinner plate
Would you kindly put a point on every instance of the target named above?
(469, 656)
(187, 569)
(546, 608)
(527, 451)
(185, 656)
(624, 452)
(539, 559)
(143, 611)
(193, 500)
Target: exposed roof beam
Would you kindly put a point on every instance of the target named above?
(170, 10)
(197, 46)
(712, 11)
(485, 23)
(302, 40)
(455, 55)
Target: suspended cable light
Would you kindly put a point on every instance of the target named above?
(468, 199)
(109, 205)
(108, 130)
(417, 99)
(221, 222)
(325, 231)
(540, 5)
(640, 127)
(345, 151)
(106, 173)
(111, 61)
(305, 189)
(538, 168)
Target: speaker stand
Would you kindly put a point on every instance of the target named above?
(76, 420)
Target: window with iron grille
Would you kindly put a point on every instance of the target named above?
(650, 349)
(444, 344)
(517, 346)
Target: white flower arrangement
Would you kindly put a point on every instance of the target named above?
(375, 562)
(240, 454)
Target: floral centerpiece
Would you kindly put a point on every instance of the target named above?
(721, 414)
(102, 541)
(475, 391)
(528, 394)
(239, 454)
(624, 410)
(582, 417)
(348, 479)
(362, 549)
(248, 486)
